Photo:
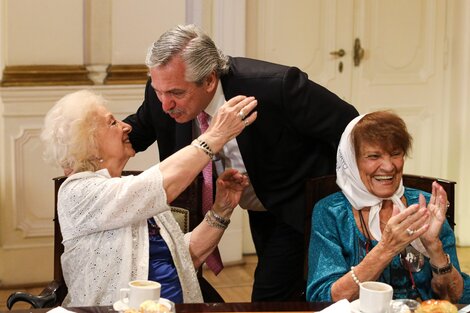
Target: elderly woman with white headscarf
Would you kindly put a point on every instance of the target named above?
(377, 230)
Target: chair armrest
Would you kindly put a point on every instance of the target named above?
(47, 299)
(181, 216)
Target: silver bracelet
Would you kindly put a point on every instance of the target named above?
(212, 222)
(218, 218)
(354, 277)
(201, 144)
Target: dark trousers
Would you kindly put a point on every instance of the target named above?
(280, 250)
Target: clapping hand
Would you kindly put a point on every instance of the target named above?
(437, 207)
(404, 227)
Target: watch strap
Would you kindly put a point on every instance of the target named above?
(442, 270)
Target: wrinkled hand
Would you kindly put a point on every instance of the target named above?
(437, 207)
(230, 186)
(395, 236)
(232, 118)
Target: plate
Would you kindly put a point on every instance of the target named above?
(355, 305)
(410, 304)
(121, 306)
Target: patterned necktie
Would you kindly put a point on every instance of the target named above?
(213, 261)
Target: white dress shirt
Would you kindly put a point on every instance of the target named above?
(230, 156)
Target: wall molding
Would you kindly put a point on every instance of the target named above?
(130, 74)
(45, 75)
(74, 75)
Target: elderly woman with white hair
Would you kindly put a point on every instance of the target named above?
(375, 229)
(117, 229)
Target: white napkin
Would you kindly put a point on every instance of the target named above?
(341, 306)
(59, 309)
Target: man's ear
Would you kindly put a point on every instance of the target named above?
(210, 83)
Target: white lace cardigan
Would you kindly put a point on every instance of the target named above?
(103, 221)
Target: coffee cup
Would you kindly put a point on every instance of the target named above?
(140, 291)
(375, 297)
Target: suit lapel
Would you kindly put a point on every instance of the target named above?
(183, 135)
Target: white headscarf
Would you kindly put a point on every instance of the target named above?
(349, 180)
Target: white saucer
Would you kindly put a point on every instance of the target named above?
(355, 305)
(121, 306)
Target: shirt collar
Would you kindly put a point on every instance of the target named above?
(217, 101)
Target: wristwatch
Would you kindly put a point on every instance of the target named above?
(442, 270)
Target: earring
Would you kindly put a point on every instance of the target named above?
(101, 160)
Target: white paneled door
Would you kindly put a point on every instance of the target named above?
(387, 54)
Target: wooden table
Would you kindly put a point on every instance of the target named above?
(210, 307)
(252, 307)
(294, 307)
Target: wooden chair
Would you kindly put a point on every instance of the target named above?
(187, 211)
(318, 188)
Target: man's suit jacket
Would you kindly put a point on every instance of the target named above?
(295, 136)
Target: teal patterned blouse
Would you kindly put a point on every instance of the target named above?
(336, 244)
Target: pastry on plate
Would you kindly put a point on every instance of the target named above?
(151, 306)
(436, 306)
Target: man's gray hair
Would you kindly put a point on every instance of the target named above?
(197, 50)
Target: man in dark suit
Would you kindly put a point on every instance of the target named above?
(299, 124)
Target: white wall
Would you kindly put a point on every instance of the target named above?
(43, 32)
(136, 25)
(458, 150)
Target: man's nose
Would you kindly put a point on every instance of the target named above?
(167, 102)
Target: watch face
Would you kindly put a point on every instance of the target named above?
(411, 259)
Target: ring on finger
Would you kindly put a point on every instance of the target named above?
(246, 123)
(410, 231)
(241, 114)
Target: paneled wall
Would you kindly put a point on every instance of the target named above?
(27, 190)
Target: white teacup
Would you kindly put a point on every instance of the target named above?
(140, 291)
(375, 297)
